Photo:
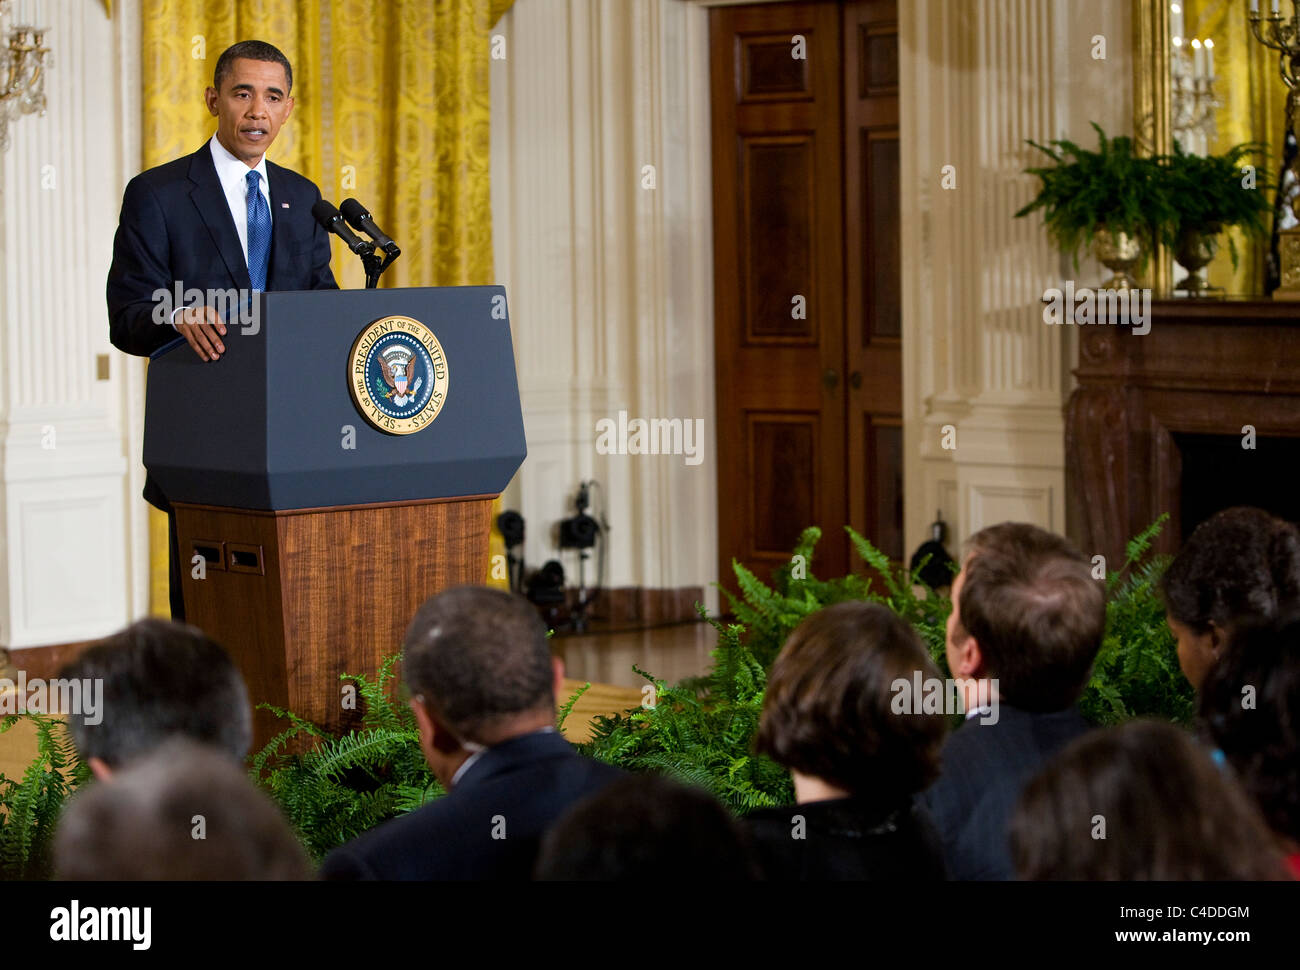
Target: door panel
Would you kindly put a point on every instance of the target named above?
(873, 273)
(778, 223)
(807, 279)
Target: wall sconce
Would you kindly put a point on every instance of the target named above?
(24, 59)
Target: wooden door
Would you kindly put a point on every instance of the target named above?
(873, 274)
(779, 282)
(807, 282)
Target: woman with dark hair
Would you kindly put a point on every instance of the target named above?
(841, 714)
(1238, 565)
(1250, 709)
(1139, 802)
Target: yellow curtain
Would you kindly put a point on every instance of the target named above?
(391, 106)
(1253, 109)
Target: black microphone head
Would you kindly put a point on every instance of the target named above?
(354, 212)
(324, 212)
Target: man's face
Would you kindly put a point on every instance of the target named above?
(955, 634)
(250, 108)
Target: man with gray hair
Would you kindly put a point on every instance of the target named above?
(185, 811)
(483, 685)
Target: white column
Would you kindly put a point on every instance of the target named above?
(67, 570)
(977, 357)
(610, 283)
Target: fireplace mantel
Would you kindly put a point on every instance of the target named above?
(1207, 367)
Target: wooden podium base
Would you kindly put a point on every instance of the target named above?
(301, 597)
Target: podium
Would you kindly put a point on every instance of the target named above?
(309, 532)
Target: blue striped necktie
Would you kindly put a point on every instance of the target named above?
(259, 232)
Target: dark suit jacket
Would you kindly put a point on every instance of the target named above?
(845, 838)
(176, 227)
(983, 770)
(525, 784)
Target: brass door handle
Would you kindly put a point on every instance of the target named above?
(831, 379)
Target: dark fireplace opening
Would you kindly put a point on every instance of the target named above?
(1219, 473)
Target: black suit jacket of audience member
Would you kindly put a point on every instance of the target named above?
(847, 839)
(529, 781)
(176, 227)
(983, 770)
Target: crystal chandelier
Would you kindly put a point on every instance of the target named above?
(24, 59)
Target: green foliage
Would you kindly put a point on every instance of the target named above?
(344, 785)
(1207, 195)
(1111, 189)
(701, 738)
(1136, 673)
(1085, 192)
(702, 730)
(30, 807)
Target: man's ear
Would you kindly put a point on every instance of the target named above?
(557, 670)
(210, 99)
(970, 659)
(433, 732)
(1218, 639)
(99, 769)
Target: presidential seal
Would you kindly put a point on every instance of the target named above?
(398, 375)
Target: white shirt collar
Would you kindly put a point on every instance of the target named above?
(231, 170)
(480, 751)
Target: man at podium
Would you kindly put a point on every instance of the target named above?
(222, 220)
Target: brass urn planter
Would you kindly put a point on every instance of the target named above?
(1119, 252)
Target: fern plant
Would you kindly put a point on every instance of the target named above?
(344, 785)
(1136, 673)
(30, 806)
(768, 614)
(702, 730)
(1086, 192)
(703, 737)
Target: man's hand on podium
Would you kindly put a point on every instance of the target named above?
(202, 329)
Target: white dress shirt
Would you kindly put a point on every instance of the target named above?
(232, 174)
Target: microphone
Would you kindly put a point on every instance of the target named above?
(356, 214)
(332, 220)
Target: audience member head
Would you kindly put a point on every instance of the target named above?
(160, 680)
(183, 812)
(645, 827)
(1250, 708)
(1239, 564)
(1027, 612)
(1139, 802)
(480, 672)
(829, 714)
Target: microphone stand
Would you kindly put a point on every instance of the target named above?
(374, 266)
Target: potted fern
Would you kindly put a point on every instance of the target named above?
(1209, 194)
(1111, 200)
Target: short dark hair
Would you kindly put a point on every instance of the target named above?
(161, 680)
(828, 711)
(1029, 600)
(141, 825)
(1260, 740)
(478, 656)
(252, 50)
(642, 827)
(1239, 563)
(1169, 813)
